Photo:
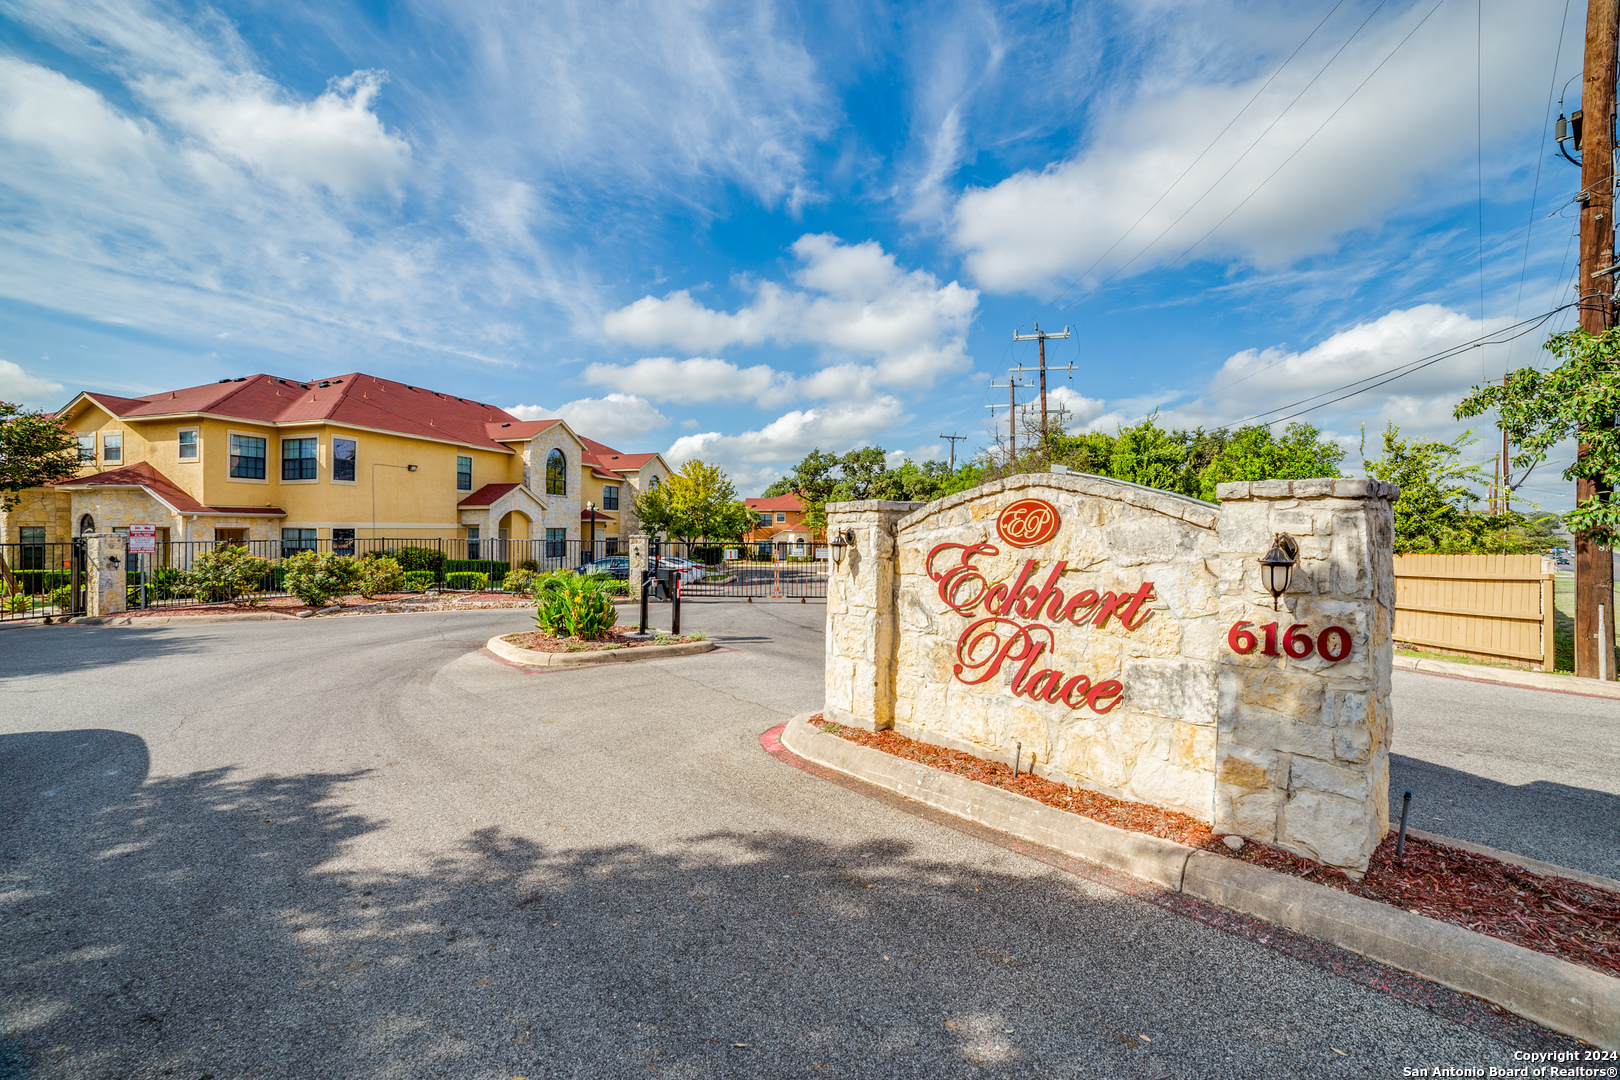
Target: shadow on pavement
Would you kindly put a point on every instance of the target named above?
(63, 650)
(1557, 823)
(204, 925)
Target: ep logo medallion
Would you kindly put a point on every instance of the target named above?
(1028, 522)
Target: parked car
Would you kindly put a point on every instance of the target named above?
(613, 566)
(689, 571)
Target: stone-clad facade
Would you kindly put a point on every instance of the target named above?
(1107, 656)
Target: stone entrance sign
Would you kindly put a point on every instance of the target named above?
(1122, 637)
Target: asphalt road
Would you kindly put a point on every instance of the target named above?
(359, 847)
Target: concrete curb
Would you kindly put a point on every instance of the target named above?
(1564, 997)
(1530, 680)
(530, 658)
(172, 620)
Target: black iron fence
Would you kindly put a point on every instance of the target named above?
(41, 581)
(755, 571)
(182, 574)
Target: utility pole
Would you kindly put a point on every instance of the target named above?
(954, 439)
(1012, 415)
(1041, 336)
(1594, 564)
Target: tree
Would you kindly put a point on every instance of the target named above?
(698, 502)
(35, 449)
(1253, 453)
(782, 485)
(864, 473)
(1577, 399)
(1435, 512)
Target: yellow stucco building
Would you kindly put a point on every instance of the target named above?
(334, 461)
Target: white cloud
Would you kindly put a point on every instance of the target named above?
(44, 110)
(1040, 226)
(697, 379)
(609, 419)
(853, 300)
(335, 141)
(19, 387)
(756, 457)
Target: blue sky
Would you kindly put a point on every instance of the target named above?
(739, 231)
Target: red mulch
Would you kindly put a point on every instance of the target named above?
(537, 641)
(1564, 918)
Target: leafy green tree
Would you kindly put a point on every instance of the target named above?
(1148, 455)
(1435, 512)
(1254, 453)
(1578, 399)
(698, 502)
(863, 473)
(35, 449)
(782, 485)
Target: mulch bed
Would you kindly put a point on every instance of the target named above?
(291, 605)
(1558, 916)
(537, 641)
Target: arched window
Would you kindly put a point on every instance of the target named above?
(556, 473)
(87, 525)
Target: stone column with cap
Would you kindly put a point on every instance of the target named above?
(1302, 739)
(861, 614)
(107, 560)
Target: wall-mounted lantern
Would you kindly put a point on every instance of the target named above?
(840, 541)
(1277, 566)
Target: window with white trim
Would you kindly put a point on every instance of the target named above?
(345, 453)
(87, 448)
(463, 472)
(610, 496)
(112, 447)
(298, 458)
(247, 457)
(186, 442)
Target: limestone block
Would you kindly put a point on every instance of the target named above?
(1271, 489)
(1203, 517)
(1296, 523)
(1330, 828)
(1349, 714)
(1246, 767)
(1313, 489)
(1309, 774)
(1167, 784)
(1193, 747)
(1249, 814)
(1230, 492)
(1141, 539)
(107, 562)
(1203, 639)
(1176, 689)
(1256, 729)
(1280, 692)
(1352, 489)
(1245, 527)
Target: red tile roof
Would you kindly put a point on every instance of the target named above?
(363, 401)
(595, 515)
(602, 456)
(487, 495)
(142, 475)
(789, 501)
(511, 430)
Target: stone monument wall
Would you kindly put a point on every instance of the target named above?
(1107, 643)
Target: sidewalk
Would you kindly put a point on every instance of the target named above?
(1533, 680)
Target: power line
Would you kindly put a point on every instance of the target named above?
(1277, 170)
(953, 439)
(1401, 371)
(1205, 152)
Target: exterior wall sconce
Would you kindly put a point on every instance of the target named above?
(1277, 566)
(840, 541)
(410, 468)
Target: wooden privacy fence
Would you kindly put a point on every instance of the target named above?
(1493, 607)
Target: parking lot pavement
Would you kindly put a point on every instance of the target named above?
(1522, 770)
(363, 848)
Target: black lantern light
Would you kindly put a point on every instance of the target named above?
(840, 541)
(1277, 566)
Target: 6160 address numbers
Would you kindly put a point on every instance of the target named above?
(1332, 644)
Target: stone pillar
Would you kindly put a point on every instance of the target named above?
(861, 614)
(1302, 742)
(107, 561)
(638, 560)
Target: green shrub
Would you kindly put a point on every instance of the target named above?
(42, 581)
(519, 581)
(466, 579)
(14, 601)
(316, 577)
(419, 558)
(574, 606)
(529, 565)
(419, 580)
(228, 572)
(377, 576)
(490, 568)
(62, 597)
(611, 585)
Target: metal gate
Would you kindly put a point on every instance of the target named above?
(754, 571)
(41, 581)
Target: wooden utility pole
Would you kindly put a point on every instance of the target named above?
(954, 439)
(1042, 336)
(1594, 564)
(1012, 415)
